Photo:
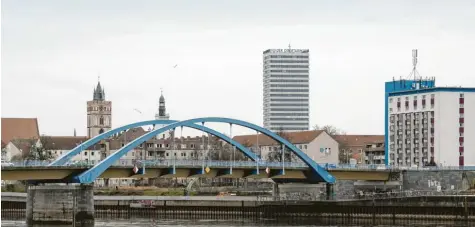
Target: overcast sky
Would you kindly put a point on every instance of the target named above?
(53, 51)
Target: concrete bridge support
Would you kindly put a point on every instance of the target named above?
(52, 204)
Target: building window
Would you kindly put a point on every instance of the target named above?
(390, 100)
(305, 146)
(167, 154)
(92, 153)
(85, 153)
(101, 121)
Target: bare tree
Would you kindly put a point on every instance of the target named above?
(330, 129)
(344, 154)
(276, 154)
(31, 150)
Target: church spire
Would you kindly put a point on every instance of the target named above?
(99, 94)
(161, 105)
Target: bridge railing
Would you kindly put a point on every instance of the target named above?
(211, 163)
(260, 164)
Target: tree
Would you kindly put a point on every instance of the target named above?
(344, 154)
(330, 129)
(276, 155)
(32, 150)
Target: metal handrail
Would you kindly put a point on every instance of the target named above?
(260, 163)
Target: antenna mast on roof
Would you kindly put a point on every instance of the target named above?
(414, 72)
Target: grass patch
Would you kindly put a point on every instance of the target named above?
(14, 188)
(146, 191)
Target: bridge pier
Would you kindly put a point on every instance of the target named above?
(330, 191)
(52, 204)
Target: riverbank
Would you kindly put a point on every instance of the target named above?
(452, 210)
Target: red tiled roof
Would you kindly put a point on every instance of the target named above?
(65, 142)
(358, 140)
(19, 128)
(301, 137)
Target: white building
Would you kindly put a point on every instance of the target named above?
(317, 144)
(18, 135)
(286, 89)
(432, 126)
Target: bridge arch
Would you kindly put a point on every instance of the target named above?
(68, 156)
(90, 175)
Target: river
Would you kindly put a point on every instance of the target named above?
(210, 223)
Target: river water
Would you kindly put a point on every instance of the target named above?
(203, 223)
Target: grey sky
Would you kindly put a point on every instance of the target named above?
(53, 51)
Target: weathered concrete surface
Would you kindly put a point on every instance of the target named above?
(60, 204)
(430, 180)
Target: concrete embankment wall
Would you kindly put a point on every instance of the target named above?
(435, 209)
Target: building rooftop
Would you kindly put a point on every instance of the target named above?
(434, 89)
(65, 142)
(358, 140)
(19, 128)
(301, 137)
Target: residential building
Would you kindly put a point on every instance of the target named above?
(353, 146)
(99, 113)
(317, 144)
(18, 134)
(431, 126)
(397, 86)
(374, 153)
(286, 89)
(60, 145)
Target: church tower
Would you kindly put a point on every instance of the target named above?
(99, 113)
(161, 115)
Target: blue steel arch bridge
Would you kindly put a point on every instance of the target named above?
(313, 172)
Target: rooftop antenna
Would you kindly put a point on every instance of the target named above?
(414, 72)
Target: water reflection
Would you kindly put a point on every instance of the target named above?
(187, 223)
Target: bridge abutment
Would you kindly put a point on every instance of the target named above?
(60, 204)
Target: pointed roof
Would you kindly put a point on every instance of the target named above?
(99, 93)
(162, 99)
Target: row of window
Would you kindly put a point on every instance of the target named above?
(287, 66)
(288, 61)
(289, 119)
(289, 114)
(288, 128)
(99, 108)
(289, 71)
(288, 76)
(290, 124)
(289, 81)
(289, 109)
(290, 85)
(288, 95)
(461, 95)
(289, 104)
(286, 56)
(289, 90)
(289, 100)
